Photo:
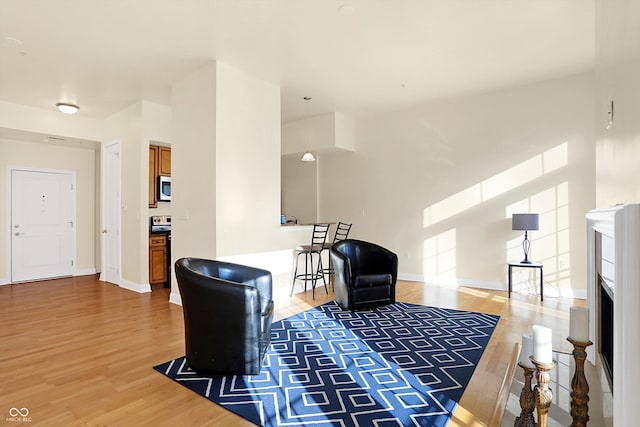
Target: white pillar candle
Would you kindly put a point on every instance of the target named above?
(542, 350)
(579, 324)
(526, 351)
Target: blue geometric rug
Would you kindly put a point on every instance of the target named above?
(397, 365)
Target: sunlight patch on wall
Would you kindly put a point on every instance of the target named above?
(550, 244)
(507, 180)
(555, 158)
(512, 178)
(440, 255)
(452, 205)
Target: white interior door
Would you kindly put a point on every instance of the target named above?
(111, 214)
(42, 224)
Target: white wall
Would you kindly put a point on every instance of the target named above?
(406, 163)
(156, 122)
(299, 189)
(325, 132)
(14, 151)
(226, 170)
(193, 166)
(135, 126)
(226, 164)
(247, 163)
(43, 155)
(617, 172)
(438, 184)
(126, 126)
(311, 133)
(157, 131)
(48, 122)
(617, 71)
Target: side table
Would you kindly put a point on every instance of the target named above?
(526, 265)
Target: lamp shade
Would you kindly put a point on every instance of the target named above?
(524, 221)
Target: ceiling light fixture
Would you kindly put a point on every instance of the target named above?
(67, 108)
(308, 157)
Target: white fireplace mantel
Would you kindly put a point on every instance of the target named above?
(622, 224)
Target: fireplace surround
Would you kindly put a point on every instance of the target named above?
(613, 298)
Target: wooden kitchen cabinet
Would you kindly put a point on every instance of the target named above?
(158, 259)
(159, 165)
(164, 161)
(153, 176)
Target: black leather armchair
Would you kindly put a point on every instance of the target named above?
(228, 311)
(365, 274)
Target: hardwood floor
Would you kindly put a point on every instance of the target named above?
(78, 351)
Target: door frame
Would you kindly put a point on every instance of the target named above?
(8, 204)
(103, 211)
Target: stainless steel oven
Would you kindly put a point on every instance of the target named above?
(161, 224)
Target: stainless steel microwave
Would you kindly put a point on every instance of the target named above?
(164, 188)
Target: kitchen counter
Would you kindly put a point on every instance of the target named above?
(306, 224)
(291, 227)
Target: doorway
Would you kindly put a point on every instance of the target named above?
(111, 258)
(43, 215)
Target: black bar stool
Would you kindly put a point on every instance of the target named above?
(318, 239)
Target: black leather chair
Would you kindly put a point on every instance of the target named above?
(228, 311)
(365, 274)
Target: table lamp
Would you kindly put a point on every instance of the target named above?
(526, 222)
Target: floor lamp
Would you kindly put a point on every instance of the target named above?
(526, 222)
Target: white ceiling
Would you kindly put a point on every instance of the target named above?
(353, 56)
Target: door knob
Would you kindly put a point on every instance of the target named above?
(104, 231)
(16, 226)
(16, 234)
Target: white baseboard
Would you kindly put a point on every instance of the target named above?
(136, 287)
(574, 293)
(410, 277)
(491, 285)
(85, 272)
(454, 281)
(175, 298)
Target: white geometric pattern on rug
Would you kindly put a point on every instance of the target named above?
(401, 364)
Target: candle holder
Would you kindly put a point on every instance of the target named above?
(542, 392)
(527, 400)
(579, 385)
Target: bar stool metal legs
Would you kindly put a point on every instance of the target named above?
(313, 274)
